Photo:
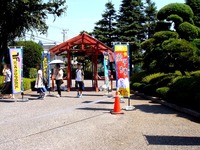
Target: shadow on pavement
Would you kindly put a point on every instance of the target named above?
(6, 101)
(95, 109)
(156, 108)
(172, 140)
(31, 95)
(101, 102)
(93, 95)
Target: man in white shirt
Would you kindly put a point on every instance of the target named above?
(79, 84)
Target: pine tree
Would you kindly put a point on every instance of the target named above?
(130, 21)
(105, 29)
(150, 13)
(130, 25)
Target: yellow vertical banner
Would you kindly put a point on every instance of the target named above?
(16, 69)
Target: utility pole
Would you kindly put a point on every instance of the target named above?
(64, 32)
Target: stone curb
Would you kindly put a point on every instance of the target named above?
(173, 106)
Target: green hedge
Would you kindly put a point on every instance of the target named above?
(162, 91)
(1, 82)
(184, 91)
(137, 77)
(32, 73)
(27, 83)
(173, 87)
(138, 86)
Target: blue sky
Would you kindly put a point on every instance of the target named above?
(82, 15)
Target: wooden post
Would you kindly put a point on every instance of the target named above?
(68, 71)
(52, 81)
(95, 70)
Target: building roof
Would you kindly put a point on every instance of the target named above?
(83, 43)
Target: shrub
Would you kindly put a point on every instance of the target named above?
(195, 73)
(179, 9)
(162, 92)
(27, 83)
(150, 89)
(184, 91)
(137, 77)
(187, 31)
(150, 83)
(1, 82)
(148, 78)
(165, 35)
(138, 86)
(32, 73)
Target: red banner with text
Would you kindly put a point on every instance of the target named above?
(122, 69)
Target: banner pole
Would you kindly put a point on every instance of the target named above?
(129, 107)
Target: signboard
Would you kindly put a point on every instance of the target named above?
(106, 74)
(122, 69)
(16, 61)
(45, 66)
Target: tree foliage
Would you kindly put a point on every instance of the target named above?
(178, 9)
(32, 55)
(150, 18)
(130, 21)
(167, 50)
(187, 31)
(195, 6)
(130, 27)
(105, 29)
(19, 16)
(164, 35)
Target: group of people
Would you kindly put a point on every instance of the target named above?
(58, 74)
(6, 91)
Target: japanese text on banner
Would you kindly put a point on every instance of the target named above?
(16, 68)
(122, 69)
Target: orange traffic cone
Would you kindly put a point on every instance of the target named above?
(117, 109)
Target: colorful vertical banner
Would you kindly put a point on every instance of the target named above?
(106, 74)
(45, 66)
(16, 61)
(122, 69)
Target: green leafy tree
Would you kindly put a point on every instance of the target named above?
(105, 29)
(195, 6)
(32, 55)
(130, 27)
(179, 55)
(169, 50)
(178, 9)
(19, 16)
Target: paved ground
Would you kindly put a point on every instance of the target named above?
(70, 123)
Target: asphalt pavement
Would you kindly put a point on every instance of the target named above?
(70, 123)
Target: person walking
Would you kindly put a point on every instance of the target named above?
(39, 84)
(7, 87)
(79, 84)
(59, 79)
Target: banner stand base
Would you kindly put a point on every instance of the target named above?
(129, 108)
(22, 100)
(108, 94)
